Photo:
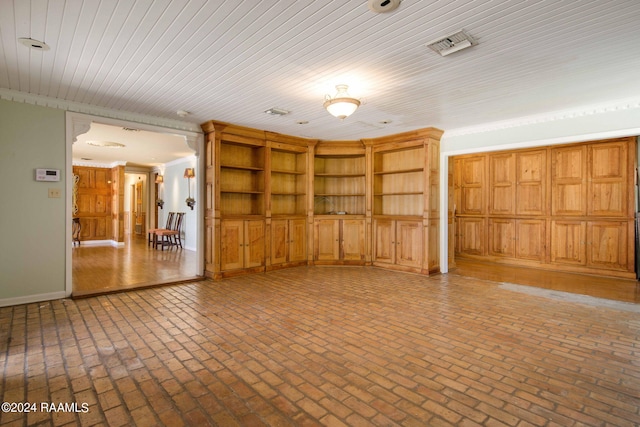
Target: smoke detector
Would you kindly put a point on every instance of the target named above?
(383, 6)
(453, 43)
(33, 44)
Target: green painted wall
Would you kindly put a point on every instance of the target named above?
(32, 225)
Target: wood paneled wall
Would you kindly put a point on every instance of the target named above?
(101, 202)
(566, 207)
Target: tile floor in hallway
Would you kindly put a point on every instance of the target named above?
(323, 346)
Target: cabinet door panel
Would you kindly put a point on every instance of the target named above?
(472, 185)
(569, 180)
(409, 243)
(254, 243)
(501, 184)
(232, 245)
(471, 236)
(385, 242)
(353, 239)
(297, 240)
(502, 237)
(530, 183)
(568, 242)
(608, 244)
(530, 239)
(608, 179)
(327, 239)
(279, 241)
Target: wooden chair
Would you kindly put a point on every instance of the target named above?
(171, 237)
(76, 228)
(152, 232)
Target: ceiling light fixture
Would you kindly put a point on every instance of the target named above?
(33, 44)
(341, 105)
(106, 144)
(182, 113)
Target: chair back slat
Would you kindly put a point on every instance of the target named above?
(170, 220)
(178, 223)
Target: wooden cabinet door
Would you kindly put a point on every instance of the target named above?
(472, 185)
(279, 241)
(531, 194)
(253, 243)
(352, 244)
(385, 243)
(297, 240)
(608, 245)
(502, 236)
(232, 245)
(502, 184)
(568, 245)
(327, 240)
(607, 193)
(409, 243)
(530, 239)
(568, 181)
(471, 236)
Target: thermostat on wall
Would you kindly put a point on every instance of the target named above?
(47, 174)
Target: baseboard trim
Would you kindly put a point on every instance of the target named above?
(102, 243)
(6, 302)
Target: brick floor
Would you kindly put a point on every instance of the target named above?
(323, 346)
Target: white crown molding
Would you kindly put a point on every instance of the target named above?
(590, 110)
(88, 164)
(44, 101)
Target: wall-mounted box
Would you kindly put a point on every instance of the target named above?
(48, 175)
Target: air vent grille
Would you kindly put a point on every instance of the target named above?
(453, 43)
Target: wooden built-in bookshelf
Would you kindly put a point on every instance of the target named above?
(276, 201)
(398, 182)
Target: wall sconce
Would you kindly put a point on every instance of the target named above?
(190, 173)
(159, 201)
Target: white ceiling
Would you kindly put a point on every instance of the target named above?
(232, 60)
(141, 147)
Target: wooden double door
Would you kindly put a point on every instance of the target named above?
(288, 241)
(567, 207)
(339, 240)
(398, 242)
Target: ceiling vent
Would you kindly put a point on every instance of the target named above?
(383, 6)
(277, 112)
(453, 43)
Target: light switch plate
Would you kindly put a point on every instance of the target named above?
(55, 193)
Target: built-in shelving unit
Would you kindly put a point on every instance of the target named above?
(398, 182)
(242, 179)
(278, 201)
(340, 179)
(288, 181)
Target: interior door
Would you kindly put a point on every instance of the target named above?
(139, 209)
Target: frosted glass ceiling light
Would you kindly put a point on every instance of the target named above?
(341, 105)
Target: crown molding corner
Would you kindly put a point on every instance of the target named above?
(591, 110)
(76, 107)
